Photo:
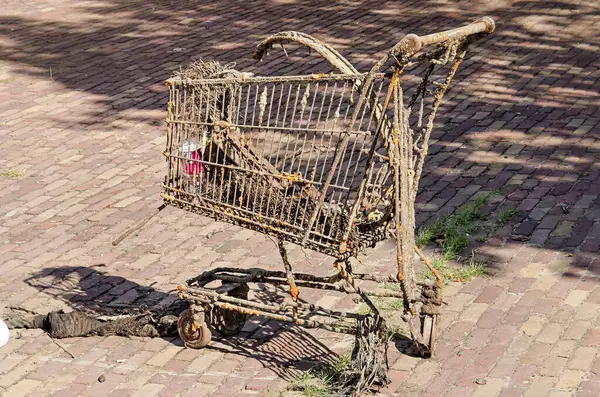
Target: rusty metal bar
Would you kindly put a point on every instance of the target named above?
(314, 309)
(180, 82)
(483, 25)
(282, 317)
(333, 283)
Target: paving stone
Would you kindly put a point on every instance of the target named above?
(521, 284)
(576, 298)
(592, 338)
(89, 137)
(536, 354)
(583, 358)
(570, 379)
(511, 392)
(405, 363)
(588, 311)
(473, 312)
(490, 319)
(23, 387)
(563, 229)
(505, 367)
(551, 333)
(423, 373)
(588, 389)
(489, 294)
(540, 386)
(534, 325)
(560, 393)
(396, 379)
(525, 228)
(491, 388)
(554, 365)
(577, 329)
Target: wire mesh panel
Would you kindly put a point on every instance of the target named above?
(263, 152)
(286, 155)
(312, 159)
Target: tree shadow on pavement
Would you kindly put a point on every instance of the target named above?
(285, 349)
(521, 117)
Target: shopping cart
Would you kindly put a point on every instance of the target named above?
(330, 162)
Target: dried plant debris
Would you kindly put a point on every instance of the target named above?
(199, 69)
(58, 324)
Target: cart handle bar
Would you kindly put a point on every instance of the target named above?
(482, 25)
(411, 43)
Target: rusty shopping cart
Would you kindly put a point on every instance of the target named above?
(330, 162)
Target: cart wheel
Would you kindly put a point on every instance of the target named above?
(194, 335)
(230, 322)
(429, 323)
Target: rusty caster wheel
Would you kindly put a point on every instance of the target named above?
(429, 324)
(194, 334)
(230, 322)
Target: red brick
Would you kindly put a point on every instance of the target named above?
(97, 116)
(546, 306)
(505, 367)
(47, 370)
(589, 389)
(177, 386)
(460, 391)
(396, 379)
(489, 294)
(460, 360)
(490, 319)
(521, 284)
(511, 392)
(592, 338)
(477, 338)
(523, 374)
(458, 330)
(71, 391)
(516, 315)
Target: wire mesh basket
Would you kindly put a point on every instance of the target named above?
(282, 156)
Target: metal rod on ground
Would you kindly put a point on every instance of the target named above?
(139, 225)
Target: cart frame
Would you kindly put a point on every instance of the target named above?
(352, 198)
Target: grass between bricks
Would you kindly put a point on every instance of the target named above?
(11, 173)
(453, 233)
(464, 273)
(384, 304)
(318, 382)
(506, 214)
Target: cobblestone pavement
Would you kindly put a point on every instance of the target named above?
(82, 115)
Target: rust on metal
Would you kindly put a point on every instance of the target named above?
(429, 266)
(330, 162)
(294, 292)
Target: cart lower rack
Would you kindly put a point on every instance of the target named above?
(330, 162)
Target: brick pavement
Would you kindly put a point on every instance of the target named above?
(81, 115)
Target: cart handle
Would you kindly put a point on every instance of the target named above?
(411, 43)
(482, 25)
